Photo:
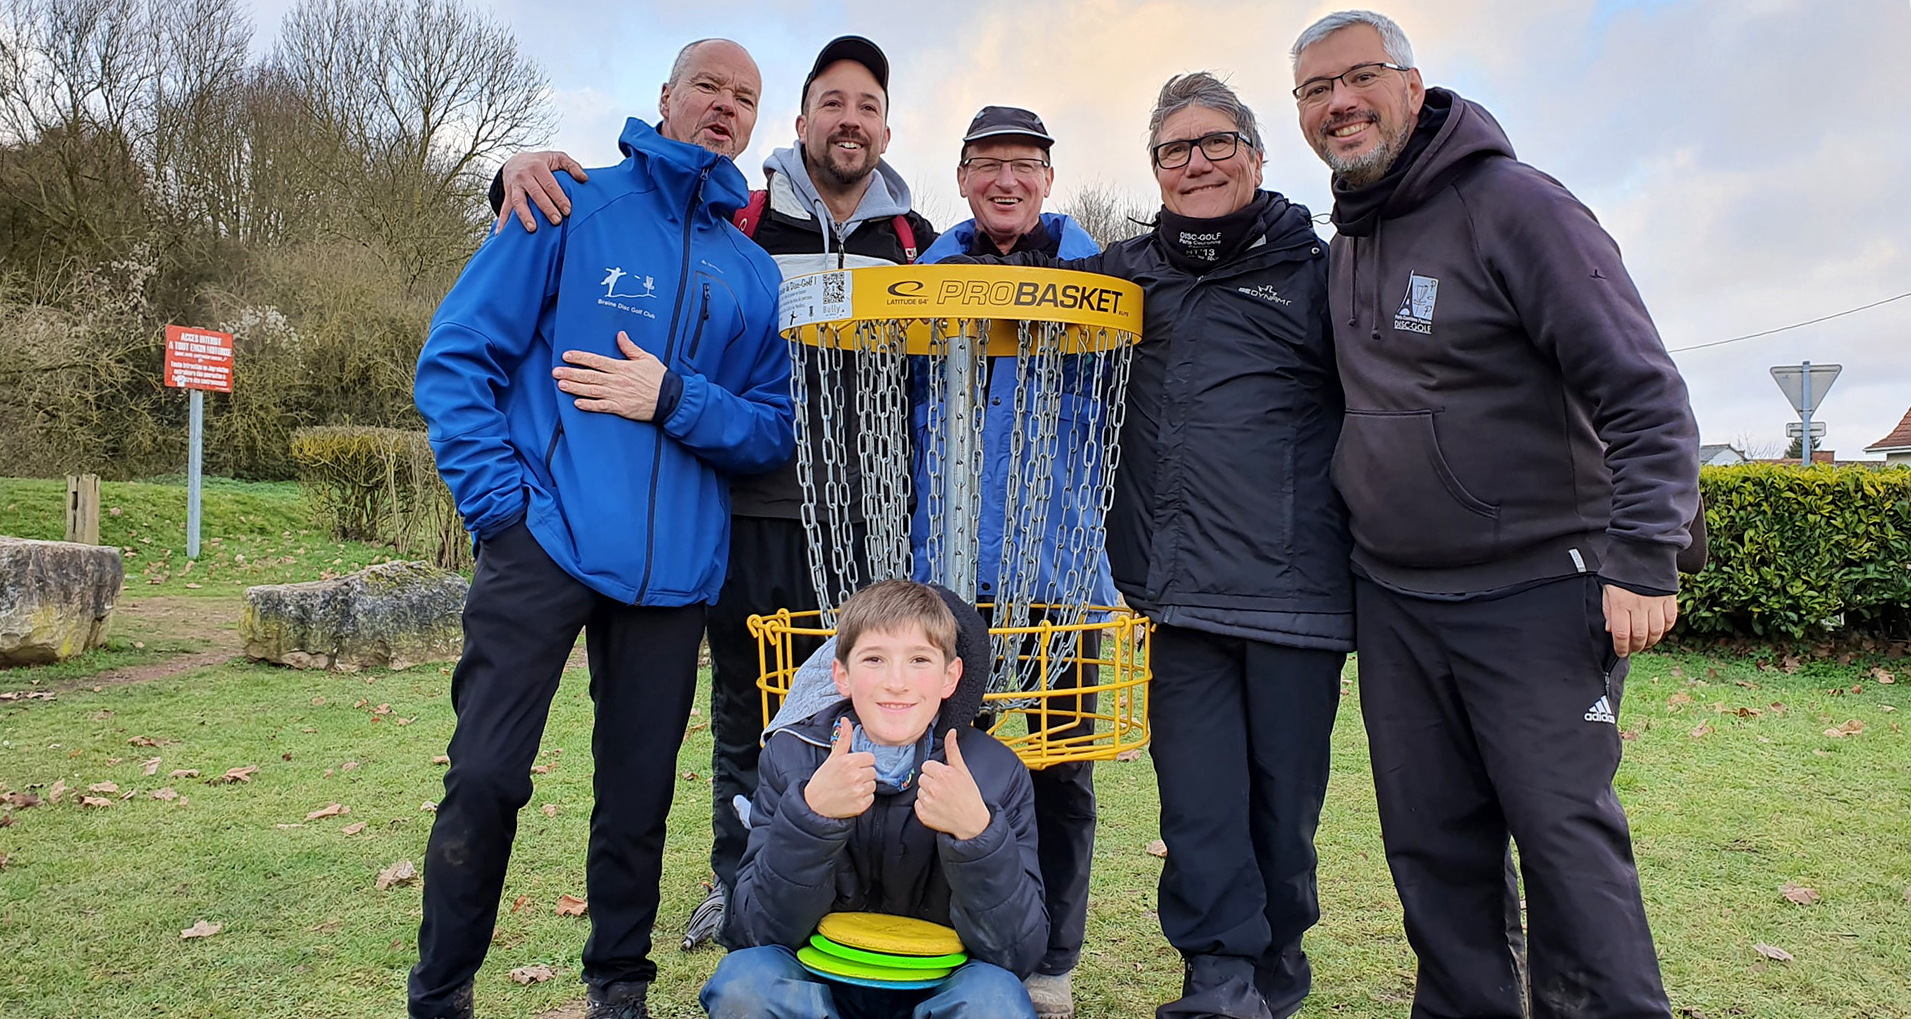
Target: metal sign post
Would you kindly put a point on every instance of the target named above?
(197, 360)
(1805, 386)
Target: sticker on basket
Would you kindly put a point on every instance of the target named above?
(818, 297)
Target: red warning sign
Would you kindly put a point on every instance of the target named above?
(198, 359)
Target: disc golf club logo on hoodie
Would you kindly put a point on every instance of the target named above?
(1416, 309)
(620, 286)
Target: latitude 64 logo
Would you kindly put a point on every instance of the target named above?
(1416, 309)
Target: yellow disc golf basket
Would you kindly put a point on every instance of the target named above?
(899, 373)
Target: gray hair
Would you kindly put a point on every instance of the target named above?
(681, 65)
(1392, 39)
(1202, 89)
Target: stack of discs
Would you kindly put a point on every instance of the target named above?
(896, 953)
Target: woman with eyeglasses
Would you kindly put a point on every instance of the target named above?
(1227, 532)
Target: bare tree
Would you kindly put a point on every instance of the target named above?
(1106, 214)
(418, 98)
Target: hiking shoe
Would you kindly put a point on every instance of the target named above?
(707, 919)
(459, 1007)
(1053, 996)
(618, 1001)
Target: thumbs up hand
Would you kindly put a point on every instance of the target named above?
(947, 798)
(845, 785)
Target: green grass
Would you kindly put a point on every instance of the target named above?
(94, 899)
(249, 533)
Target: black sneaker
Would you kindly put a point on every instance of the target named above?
(459, 1007)
(707, 919)
(618, 1001)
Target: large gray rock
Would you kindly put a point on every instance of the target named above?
(392, 615)
(56, 598)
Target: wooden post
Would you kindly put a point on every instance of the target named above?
(83, 508)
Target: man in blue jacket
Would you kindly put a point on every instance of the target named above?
(1005, 174)
(600, 501)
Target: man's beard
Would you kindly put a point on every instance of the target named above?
(1362, 170)
(845, 177)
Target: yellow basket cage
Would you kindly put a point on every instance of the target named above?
(1052, 716)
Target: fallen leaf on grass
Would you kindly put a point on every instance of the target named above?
(1678, 700)
(202, 929)
(532, 974)
(400, 873)
(144, 741)
(57, 790)
(699, 727)
(1799, 893)
(95, 801)
(1158, 848)
(1882, 675)
(166, 794)
(152, 766)
(348, 766)
(102, 787)
(330, 810)
(441, 759)
(240, 774)
(520, 902)
(1704, 729)
(540, 769)
(403, 721)
(689, 776)
(1772, 952)
(185, 773)
(352, 829)
(571, 905)
(1748, 712)
(20, 801)
(549, 809)
(1129, 755)
(1850, 728)
(3, 861)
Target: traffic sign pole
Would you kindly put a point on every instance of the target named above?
(194, 461)
(197, 360)
(1804, 441)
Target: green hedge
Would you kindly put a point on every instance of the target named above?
(1797, 552)
(381, 485)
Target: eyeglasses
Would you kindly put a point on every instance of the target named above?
(1359, 78)
(1018, 167)
(1217, 146)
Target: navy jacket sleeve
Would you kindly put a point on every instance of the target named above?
(995, 879)
(1564, 276)
(478, 336)
(786, 882)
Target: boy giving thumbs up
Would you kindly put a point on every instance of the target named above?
(888, 801)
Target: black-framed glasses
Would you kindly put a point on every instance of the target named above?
(1359, 78)
(1217, 146)
(1018, 167)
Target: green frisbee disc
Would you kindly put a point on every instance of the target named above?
(909, 962)
(826, 965)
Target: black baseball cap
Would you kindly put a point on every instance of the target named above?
(997, 121)
(850, 47)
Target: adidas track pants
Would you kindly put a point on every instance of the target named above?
(1494, 717)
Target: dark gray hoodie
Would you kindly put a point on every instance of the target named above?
(1512, 415)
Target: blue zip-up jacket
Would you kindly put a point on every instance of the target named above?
(637, 511)
(1057, 555)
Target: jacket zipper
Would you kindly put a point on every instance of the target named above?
(670, 347)
(550, 452)
(703, 317)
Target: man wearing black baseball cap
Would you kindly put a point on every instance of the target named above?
(1004, 173)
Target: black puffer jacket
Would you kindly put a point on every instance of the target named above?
(801, 866)
(1223, 502)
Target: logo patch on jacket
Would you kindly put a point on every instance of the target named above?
(1265, 293)
(620, 286)
(1416, 309)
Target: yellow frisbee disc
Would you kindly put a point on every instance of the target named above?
(894, 935)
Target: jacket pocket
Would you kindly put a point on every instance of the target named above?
(1404, 503)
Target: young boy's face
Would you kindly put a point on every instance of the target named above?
(897, 682)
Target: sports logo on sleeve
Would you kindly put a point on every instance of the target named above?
(1416, 309)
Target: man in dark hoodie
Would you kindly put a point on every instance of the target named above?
(1520, 465)
(832, 202)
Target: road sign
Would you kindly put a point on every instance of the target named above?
(1791, 379)
(198, 359)
(1797, 428)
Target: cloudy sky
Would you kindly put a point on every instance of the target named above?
(1752, 157)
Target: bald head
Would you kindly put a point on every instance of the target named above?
(711, 97)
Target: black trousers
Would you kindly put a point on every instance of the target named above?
(1241, 745)
(521, 619)
(1065, 814)
(769, 570)
(1496, 717)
